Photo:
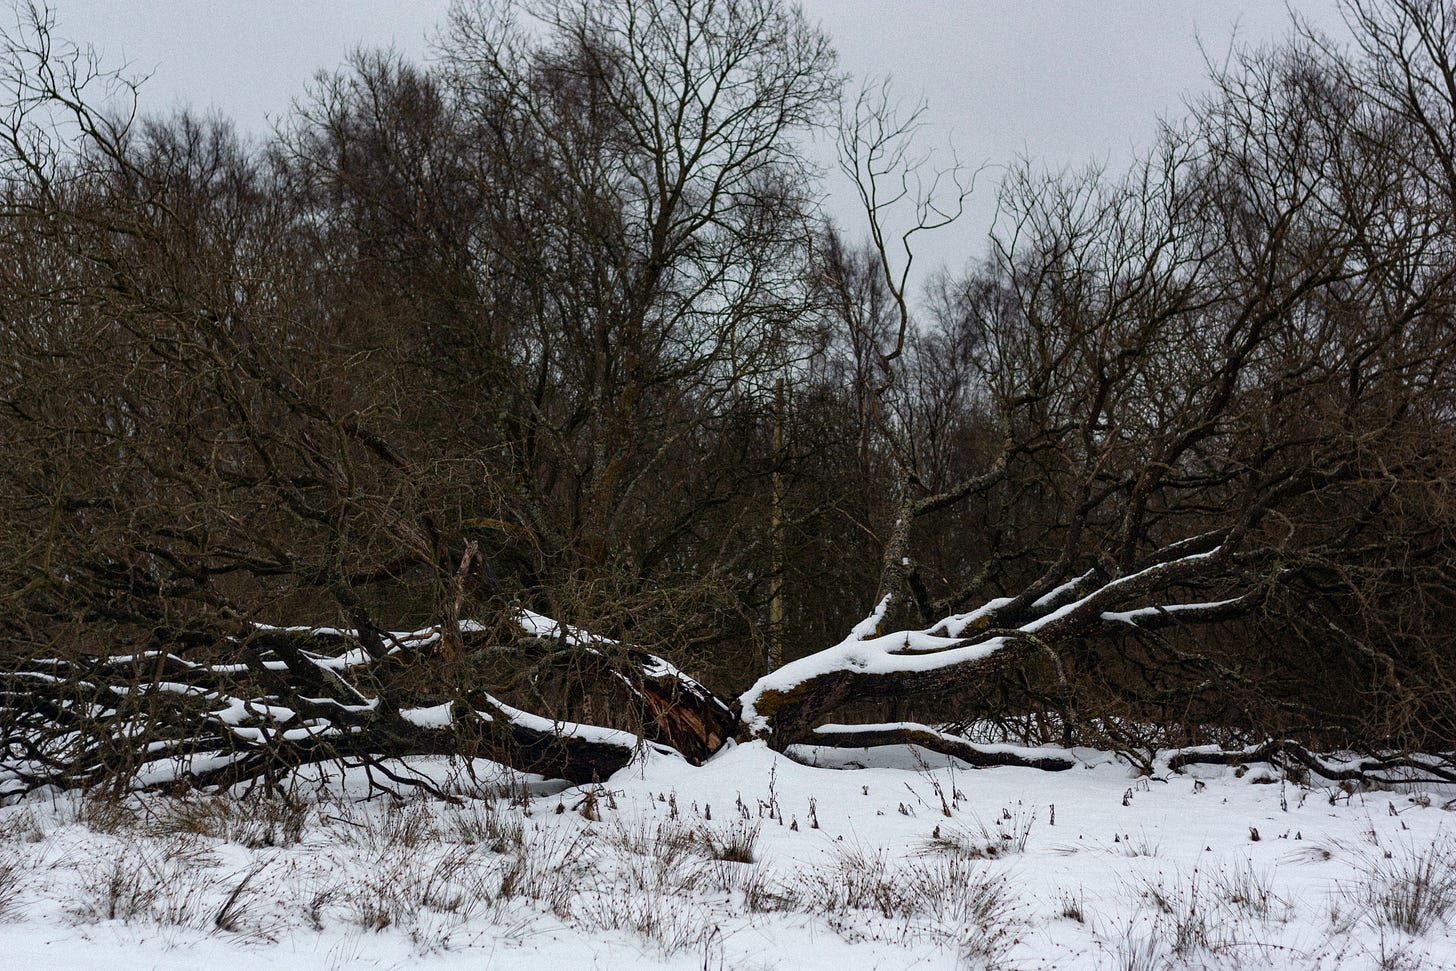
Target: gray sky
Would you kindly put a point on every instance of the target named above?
(1062, 82)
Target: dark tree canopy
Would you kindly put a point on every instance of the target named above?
(553, 327)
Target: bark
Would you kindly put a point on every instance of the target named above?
(285, 698)
(983, 756)
(1301, 763)
(784, 707)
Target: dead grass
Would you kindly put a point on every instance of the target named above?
(20, 825)
(954, 900)
(1007, 835)
(172, 883)
(431, 897)
(12, 886)
(1200, 919)
(106, 813)
(485, 824)
(736, 842)
(443, 875)
(255, 821)
(1402, 888)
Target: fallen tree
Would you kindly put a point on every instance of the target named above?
(297, 699)
(301, 696)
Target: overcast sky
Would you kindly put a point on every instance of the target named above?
(1062, 82)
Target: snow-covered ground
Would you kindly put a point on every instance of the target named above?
(752, 862)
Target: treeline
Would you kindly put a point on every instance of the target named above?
(555, 322)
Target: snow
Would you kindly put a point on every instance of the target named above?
(587, 733)
(1124, 581)
(239, 710)
(902, 651)
(542, 626)
(956, 624)
(436, 716)
(940, 646)
(1133, 616)
(892, 857)
(911, 861)
(1064, 590)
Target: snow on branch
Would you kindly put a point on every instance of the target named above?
(1298, 761)
(957, 651)
(279, 697)
(1049, 758)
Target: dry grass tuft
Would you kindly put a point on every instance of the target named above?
(255, 821)
(1406, 889)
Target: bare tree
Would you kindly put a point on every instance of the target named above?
(219, 367)
(1198, 370)
(468, 345)
(903, 196)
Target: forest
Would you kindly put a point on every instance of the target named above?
(524, 404)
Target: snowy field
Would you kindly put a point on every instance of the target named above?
(752, 862)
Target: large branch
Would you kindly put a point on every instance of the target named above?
(944, 743)
(868, 666)
(677, 710)
(1291, 756)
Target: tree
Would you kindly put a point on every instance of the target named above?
(268, 300)
(475, 348)
(1224, 385)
